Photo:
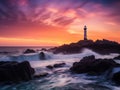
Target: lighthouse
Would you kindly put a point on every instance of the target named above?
(85, 32)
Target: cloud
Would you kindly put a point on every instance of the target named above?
(43, 19)
(63, 21)
(10, 13)
(22, 10)
(57, 12)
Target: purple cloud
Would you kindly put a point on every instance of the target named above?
(15, 11)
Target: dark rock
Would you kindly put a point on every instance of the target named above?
(29, 51)
(50, 66)
(43, 49)
(42, 56)
(40, 75)
(87, 59)
(15, 72)
(25, 70)
(118, 57)
(58, 65)
(91, 65)
(116, 78)
(55, 65)
(99, 46)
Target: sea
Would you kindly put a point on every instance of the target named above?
(58, 78)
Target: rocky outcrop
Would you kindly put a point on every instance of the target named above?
(116, 78)
(49, 67)
(99, 46)
(15, 72)
(29, 51)
(42, 56)
(118, 57)
(91, 65)
(43, 49)
(57, 65)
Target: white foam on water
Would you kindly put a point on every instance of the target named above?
(56, 79)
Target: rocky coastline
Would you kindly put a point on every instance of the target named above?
(99, 46)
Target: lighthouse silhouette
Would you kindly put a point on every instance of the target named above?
(85, 32)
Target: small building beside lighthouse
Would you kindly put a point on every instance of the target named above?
(85, 32)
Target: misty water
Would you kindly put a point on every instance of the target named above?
(58, 78)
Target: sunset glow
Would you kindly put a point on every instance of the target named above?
(57, 22)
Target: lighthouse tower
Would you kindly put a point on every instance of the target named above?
(85, 32)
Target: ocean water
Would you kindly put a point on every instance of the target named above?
(58, 78)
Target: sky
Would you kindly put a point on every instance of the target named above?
(57, 22)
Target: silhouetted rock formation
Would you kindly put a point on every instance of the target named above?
(29, 51)
(50, 67)
(57, 65)
(99, 46)
(43, 49)
(42, 56)
(118, 57)
(116, 78)
(14, 72)
(91, 65)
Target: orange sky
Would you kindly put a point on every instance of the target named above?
(49, 24)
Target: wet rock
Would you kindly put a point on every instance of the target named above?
(40, 75)
(15, 72)
(58, 65)
(90, 64)
(116, 78)
(43, 49)
(50, 66)
(25, 70)
(118, 57)
(100, 46)
(42, 56)
(29, 51)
